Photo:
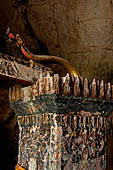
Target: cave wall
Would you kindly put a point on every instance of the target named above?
(79, 31)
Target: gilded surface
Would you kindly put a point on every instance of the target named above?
(18, 167)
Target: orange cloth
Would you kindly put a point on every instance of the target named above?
(18, 167)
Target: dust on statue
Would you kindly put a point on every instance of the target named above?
(18, 167)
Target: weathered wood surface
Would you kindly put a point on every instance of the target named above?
(23, 73)
(79, 123)
(67, 86)
(109, 144)
(62, 141)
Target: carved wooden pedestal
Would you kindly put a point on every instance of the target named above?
(60, 132)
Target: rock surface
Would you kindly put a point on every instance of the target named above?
(79, 31)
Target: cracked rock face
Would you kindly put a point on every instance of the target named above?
(79, 31)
